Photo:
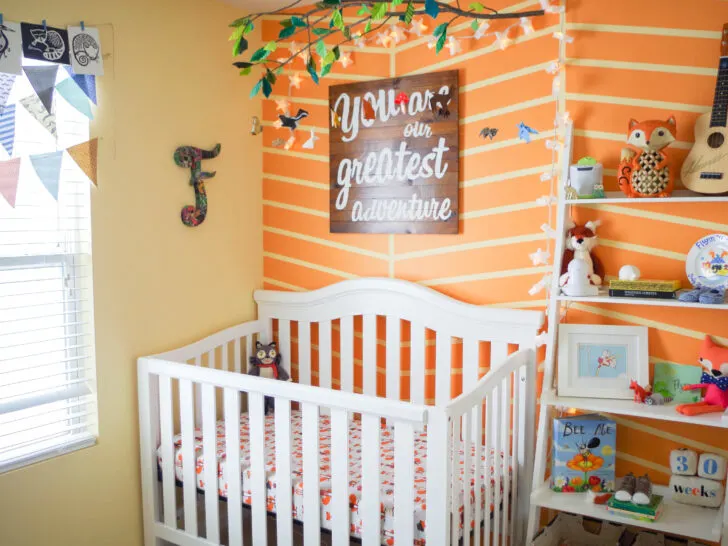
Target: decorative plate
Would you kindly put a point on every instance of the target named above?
(707, 263)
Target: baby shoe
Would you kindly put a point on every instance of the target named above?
(626, 488)
(713, 296)
(691, 296)
(643, 490)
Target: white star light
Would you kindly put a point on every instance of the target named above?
(384, 39)
(304, 56)
(309, 144)
(453, 44)
(278, 124)
(526, 25)
(502, 40)
(293, 48)
(553, 67)
(418, 27)
(289, 142)
(397, 33)
(482, 29)
(295, 81)
(431, 42)
(283, 106)
(563, 37)
(359, 40)
(540, 257)
(345, 59)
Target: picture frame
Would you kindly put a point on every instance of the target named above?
(598, 361)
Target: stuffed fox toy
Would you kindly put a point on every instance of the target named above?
(644, 168)
(714, 381)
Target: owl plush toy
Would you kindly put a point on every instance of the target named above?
(266, 362)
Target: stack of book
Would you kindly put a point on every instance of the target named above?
(644, 289)
(641, 512)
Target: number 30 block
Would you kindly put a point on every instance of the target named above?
(684, 462)
(712, 466)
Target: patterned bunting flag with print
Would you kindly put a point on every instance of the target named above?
(43, 80)
(7, 128)
(87, 83)
(33, 105)
(9, 173)
(6, 86)
(75, 96)
(85, 156)
(48, 168)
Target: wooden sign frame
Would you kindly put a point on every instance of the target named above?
(394, 162)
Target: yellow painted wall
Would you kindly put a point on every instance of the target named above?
(158, 284)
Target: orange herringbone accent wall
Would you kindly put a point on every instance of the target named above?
(643, 59)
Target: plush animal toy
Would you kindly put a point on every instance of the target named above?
(714, 381)
(267, 363)
(580, 241)
(644, 168)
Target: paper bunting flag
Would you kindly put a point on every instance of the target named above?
(9, 173)
(11, 48)
(48, 168)
(33, 105)
(7, 128)
(45, 43)
(70, 91)
(86, 51)
(6, 86)
(43, 80)
(85, 156)
(85, 82)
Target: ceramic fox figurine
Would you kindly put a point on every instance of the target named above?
(714, 381)
(644, 168)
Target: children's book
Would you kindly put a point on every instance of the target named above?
(642, 512)
(584, 454)
(670, 378)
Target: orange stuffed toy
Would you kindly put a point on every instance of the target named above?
(644, 169)
(713, 382)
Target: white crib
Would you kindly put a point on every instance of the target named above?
(200, 390)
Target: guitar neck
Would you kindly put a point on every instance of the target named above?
(719, 114)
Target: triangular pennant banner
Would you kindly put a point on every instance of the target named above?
(43, 80)
(6, 86)
(85, 156)
(48, 168)
(33, 105)
(9, 174)
(7, 128)
(87, 83)
(70, 91)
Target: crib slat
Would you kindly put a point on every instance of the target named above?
(225, 358)
(404, 476)
(284, 501)
(437, 515)
(212, 359)
(470, 367)
(189, 458)
(467, 477)
(477, 418)
(369, 354)
(311, 493)
(256, 416)
(442, 368)
(198, 397)
(340, 477)
(394, 372)
(489, 464)
(237, 364)
(497, 422)
(455, 481)
(304, 353)
(167, 441)
(248, 351)
(232, 467)
(505, 446)
(498, 354)
(346, 337)
(369, 505)
(417, 362)
(514, 454)
(209, 452)
(324, 346)
(284, 343)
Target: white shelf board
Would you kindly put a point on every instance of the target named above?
(643, 301)
(678, 196)
(634, 409)
(676, 519)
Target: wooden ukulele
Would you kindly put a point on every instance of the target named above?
(706, 168)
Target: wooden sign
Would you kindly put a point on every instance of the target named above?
(394, 161)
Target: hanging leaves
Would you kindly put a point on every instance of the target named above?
(379, 10)
(432, 8)
(409, 13)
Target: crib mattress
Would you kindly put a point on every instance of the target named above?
(485, 467)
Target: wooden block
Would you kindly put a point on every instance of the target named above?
(684, 462)
(712, 466)
(697, 491)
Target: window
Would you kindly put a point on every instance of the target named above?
(47, 384)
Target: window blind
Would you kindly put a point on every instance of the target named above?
(47, 378)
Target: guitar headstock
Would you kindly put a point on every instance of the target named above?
(724, 41)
